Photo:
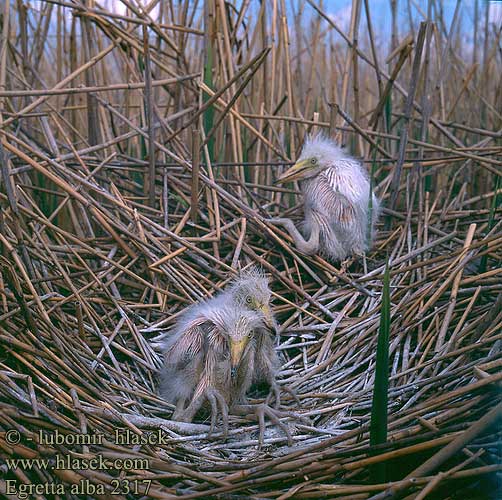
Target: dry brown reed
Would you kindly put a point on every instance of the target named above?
(138, 155)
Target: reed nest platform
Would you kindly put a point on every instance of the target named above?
(139, 151)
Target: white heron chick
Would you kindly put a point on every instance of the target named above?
(214, 355)
(248, 293)
(211, 356)
(218, 348)
(337, 193)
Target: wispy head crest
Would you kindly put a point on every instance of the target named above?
(323, 148)
(251, 282)
(253, 272)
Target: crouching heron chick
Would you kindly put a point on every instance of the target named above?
(218, 349)
(337, 194)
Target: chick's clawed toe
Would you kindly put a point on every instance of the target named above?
(260, 411)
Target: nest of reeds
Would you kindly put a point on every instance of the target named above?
(121, 205)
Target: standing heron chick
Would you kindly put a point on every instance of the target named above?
(337, 195)
(210, 357)
(218, 349)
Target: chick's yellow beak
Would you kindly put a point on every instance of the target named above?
(267, 313)
(236, 350)
(297, 171)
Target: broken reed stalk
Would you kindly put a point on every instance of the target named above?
(404, 132)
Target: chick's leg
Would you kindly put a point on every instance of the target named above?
(308, 247)
(180, 408)
(266, 366)
(216, 399)
(275, 389)
(275, 393)
(264, 410)
(187, 414)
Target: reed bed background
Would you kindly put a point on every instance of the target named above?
(140, 143)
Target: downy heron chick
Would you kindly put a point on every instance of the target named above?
(249, 290)
(337, 195)
(214, 355)
(235, 326)
(202, 359)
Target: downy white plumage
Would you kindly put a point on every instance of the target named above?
(337, 194)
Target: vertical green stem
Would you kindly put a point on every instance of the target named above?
(378, 425)
(208, 116)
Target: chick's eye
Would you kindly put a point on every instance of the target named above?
(248, 300)
(313, 161)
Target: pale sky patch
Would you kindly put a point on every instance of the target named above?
(495, 13)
